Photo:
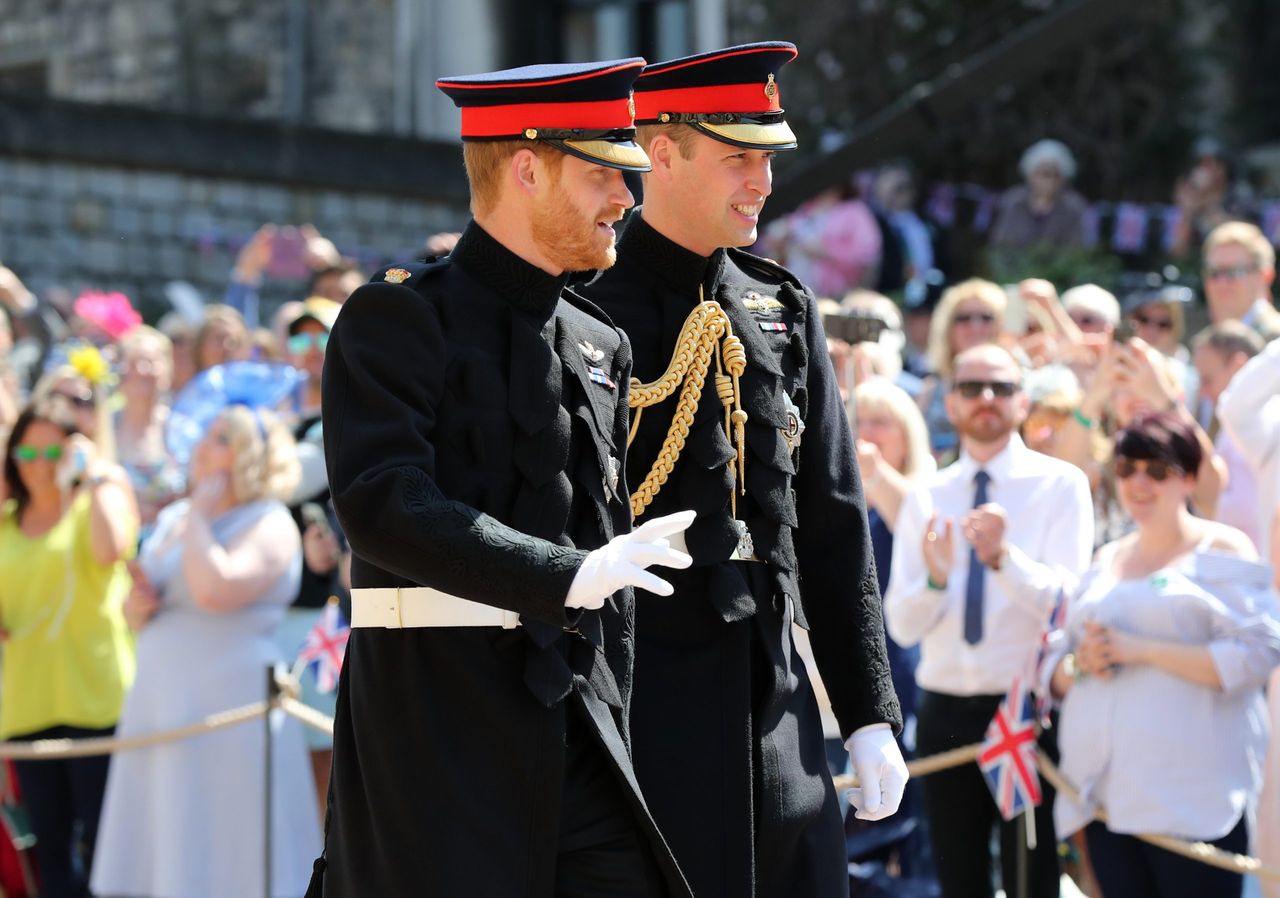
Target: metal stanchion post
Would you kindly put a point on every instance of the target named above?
(273, 693)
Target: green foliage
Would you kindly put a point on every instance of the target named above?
(1064, 267)
(1123, 99)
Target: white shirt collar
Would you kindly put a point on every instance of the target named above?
(1255, 312)
(1000, 467)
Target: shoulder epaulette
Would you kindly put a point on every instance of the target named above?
(409, 274)
(762, 267)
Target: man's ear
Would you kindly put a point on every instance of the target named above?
(661, 150)
(526, 171)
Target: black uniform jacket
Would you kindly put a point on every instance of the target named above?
(716, 657)
(475, 424)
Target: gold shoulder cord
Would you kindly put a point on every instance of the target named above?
(706, 333)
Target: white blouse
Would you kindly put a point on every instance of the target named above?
(1161, 754)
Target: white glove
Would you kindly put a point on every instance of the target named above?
(622, 562)
(881, 772)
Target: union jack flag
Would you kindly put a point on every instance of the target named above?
(1008, 756)
(325, 647)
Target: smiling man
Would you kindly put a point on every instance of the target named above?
(728, 742)
(475, 418)
(1239, 269)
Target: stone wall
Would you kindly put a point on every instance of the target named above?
(214, 57)
(114, 197)
(78, 226)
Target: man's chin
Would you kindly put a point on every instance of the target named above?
(986, 431)
(594, 260)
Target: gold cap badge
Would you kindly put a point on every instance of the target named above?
(396, 275)
(631, 105)
(770, 87)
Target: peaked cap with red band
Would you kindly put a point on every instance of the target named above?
(730, 94)
(583, 109)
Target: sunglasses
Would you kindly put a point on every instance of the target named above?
(972, 389)
(970, 317)
(1164, 324)
(1233, 273)
(29, 453)
(300, 343)
(1157, 469)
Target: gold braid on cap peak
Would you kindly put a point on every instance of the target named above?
(706, 333)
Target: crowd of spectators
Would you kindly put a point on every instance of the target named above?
(1088, 475)
(152, 573)
(1097, 477)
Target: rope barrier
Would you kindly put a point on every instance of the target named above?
(306, 714)
(1197, 851)
(945, 760)
(44, 749)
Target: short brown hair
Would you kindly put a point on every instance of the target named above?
(1244, 234)
(485, 161)
(1227, 338)
(683, 136)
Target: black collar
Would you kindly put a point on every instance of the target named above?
(523, 284)
(666, 260)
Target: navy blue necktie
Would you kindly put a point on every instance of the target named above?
(977, 572)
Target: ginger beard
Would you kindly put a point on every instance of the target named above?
(572, 239)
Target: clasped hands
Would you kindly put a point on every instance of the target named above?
(1102, 650)
(983, 528)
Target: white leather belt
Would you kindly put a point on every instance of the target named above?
(396, 608)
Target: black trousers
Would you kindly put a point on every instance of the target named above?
(961, 812)
(602, 851)
(63, 799)
(1128, 867)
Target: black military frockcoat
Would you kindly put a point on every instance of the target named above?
(472, 448)
(727, 740)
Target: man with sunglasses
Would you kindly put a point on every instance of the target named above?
(980, 555)
(1239, 267)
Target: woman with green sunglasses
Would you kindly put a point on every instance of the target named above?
(66, 530)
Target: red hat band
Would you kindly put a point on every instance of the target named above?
(744, 98)
(516, 119)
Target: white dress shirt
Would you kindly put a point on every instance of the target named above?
(1249, 410)
(1049, 532)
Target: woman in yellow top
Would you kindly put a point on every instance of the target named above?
(65, 532)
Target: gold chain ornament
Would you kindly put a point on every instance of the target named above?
(706, 334)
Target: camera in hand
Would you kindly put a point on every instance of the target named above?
(854, 326)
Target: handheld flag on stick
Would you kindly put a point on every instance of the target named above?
(325, 647)
(1008, 757)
